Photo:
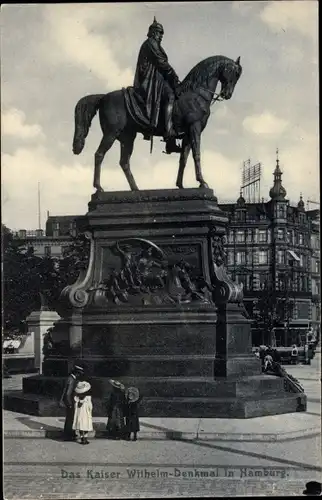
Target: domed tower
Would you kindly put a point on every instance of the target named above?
(278, 195)
(300, 204)
(241, 208)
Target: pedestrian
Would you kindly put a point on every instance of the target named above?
(306, 354)
(67, 401)
(116, 407)
(268, 362)
(132, 396)
(294, 354)
(83, 421)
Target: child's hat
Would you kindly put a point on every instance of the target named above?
(82, 387)
(132, 394)
(117, 384)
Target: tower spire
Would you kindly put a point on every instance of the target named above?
(277, 192)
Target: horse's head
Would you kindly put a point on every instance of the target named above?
(230, 74)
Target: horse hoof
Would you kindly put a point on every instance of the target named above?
(180, 186)
(99, 189)
(203, 185)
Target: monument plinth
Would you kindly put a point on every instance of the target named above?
(155, 308)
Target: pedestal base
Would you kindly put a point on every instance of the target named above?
(169, 397)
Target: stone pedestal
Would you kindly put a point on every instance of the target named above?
(155, 308)
(38, 323)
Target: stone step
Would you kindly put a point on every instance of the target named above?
(154, 366)
(198, 407)
(164, 386)
(223, 407)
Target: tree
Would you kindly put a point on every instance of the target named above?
(31, 281)
(272, 309)
(25, 276)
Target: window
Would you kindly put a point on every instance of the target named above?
(317, 266)
(263, 281)
(244, 279)
(241, 257)
(289, 237)
(301, 218)
(303, 284)
(56, 225)
(262, 236)
(241, 215)
(22, 234)
(240, 237)
(281, 281)
(262, 257)
(230, 258)
(301, 239)
(281, 257)
(280, 234)
(47, 251)
(282, 211)
(302, 260)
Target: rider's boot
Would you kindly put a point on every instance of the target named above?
(170, 135)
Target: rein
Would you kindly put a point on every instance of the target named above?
(216, 97)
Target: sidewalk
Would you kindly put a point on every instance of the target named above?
(265, 429)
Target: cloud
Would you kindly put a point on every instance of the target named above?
(71, 33)
(66, 188)
(300, 16)
(13, 123)
(291, 55)
(265, 123)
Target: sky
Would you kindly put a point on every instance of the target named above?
(54, 54)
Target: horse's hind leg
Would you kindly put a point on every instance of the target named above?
(127, 142)
(105, 145)
(183, 160)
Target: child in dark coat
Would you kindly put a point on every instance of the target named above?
(132, 397)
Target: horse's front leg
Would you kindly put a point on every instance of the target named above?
(195, 135)
(186, 147)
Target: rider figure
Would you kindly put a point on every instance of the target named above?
(158, 83)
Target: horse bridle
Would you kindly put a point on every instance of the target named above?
(216, 97)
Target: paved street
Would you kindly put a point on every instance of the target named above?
(56, 469)
(48, 468)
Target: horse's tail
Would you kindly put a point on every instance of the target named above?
(85, 111)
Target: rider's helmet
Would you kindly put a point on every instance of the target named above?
(155, 26)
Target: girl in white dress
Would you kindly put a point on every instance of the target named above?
(83, 421)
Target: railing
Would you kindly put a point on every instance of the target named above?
(23, 234)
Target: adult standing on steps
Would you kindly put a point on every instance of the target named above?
(68, 402)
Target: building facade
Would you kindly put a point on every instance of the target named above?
(273, 249)
(55, 239)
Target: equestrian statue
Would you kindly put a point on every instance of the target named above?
(157, 104)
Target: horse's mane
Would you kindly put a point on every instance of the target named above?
(201, 72)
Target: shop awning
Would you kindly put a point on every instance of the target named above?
(293, 255)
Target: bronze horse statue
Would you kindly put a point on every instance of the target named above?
(191, 111)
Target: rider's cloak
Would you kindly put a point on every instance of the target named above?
(152, 73)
